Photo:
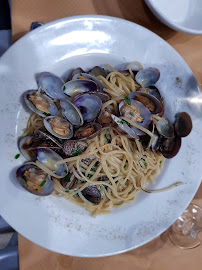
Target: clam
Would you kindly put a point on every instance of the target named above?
(92, 194)
(89, 106)
(165, 129)
(147, 76)
(88, 131)
(59, 127)
(183, 124)
(28, 144)
(76, 71)
(40, 103)
(152, 90)
(73, 147)
(24, 145)
(75, 87)
(71, 113)
(105, 117)
(149, 101)
(123, 128)
(136, 112)
(51, 85)
(48, 158)
(45, 138)
(34, 180)
(169, 147)
(98, 71)
(68, 181)
(104, 97)
(91, 78)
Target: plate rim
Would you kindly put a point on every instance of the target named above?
(164, 19)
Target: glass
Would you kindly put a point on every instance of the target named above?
(185, 232)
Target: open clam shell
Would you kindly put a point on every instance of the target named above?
(71, 112)
(50, 128)
(123, 128)
(149, 101)
(45, 188)
(88, 131)
(24, 145)
(89, 105)
(48, 158)
(144, 113)
(50, 107)
(91, 78)
(50, 84)
(76, 86)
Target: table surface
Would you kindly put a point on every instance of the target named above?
(160, 253)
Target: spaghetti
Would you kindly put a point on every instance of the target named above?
(118, 166)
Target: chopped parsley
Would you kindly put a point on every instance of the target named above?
(130, 90)
(67, 177)
(107, 138)
(127, 100)
(65, 171)
(43, 183)
(160, 162)
(63, 88)
(17, 156)
(125, 166)
(77, 151)
(115, 171)
(89, 176)
(162, 101)
(142, 163)
(105, 186)
(120, 122)
(131, 113)
(92, 170)
(24, 177)
(67, 191)
(46, 114)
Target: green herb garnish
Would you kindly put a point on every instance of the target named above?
(65, 171)
(120, 122)
(24, 177)
(130, 90)
(43, 183)
(107, 138)
(77, 151)
(17, 156)
(63, 88)
(162, 101)
(67, 191)
(89, 176)
(67, 177)
(46, 114)
(127, 100)
(125, 166)
(131, 113)
(160, 162)
(92, 170)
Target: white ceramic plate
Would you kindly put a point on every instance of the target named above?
(180, 15)
(85, 41)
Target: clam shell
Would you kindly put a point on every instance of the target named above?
(49, 128)
(53, 109)
(46, 189)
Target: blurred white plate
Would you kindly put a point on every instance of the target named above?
(180, 15)
(58, 47)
